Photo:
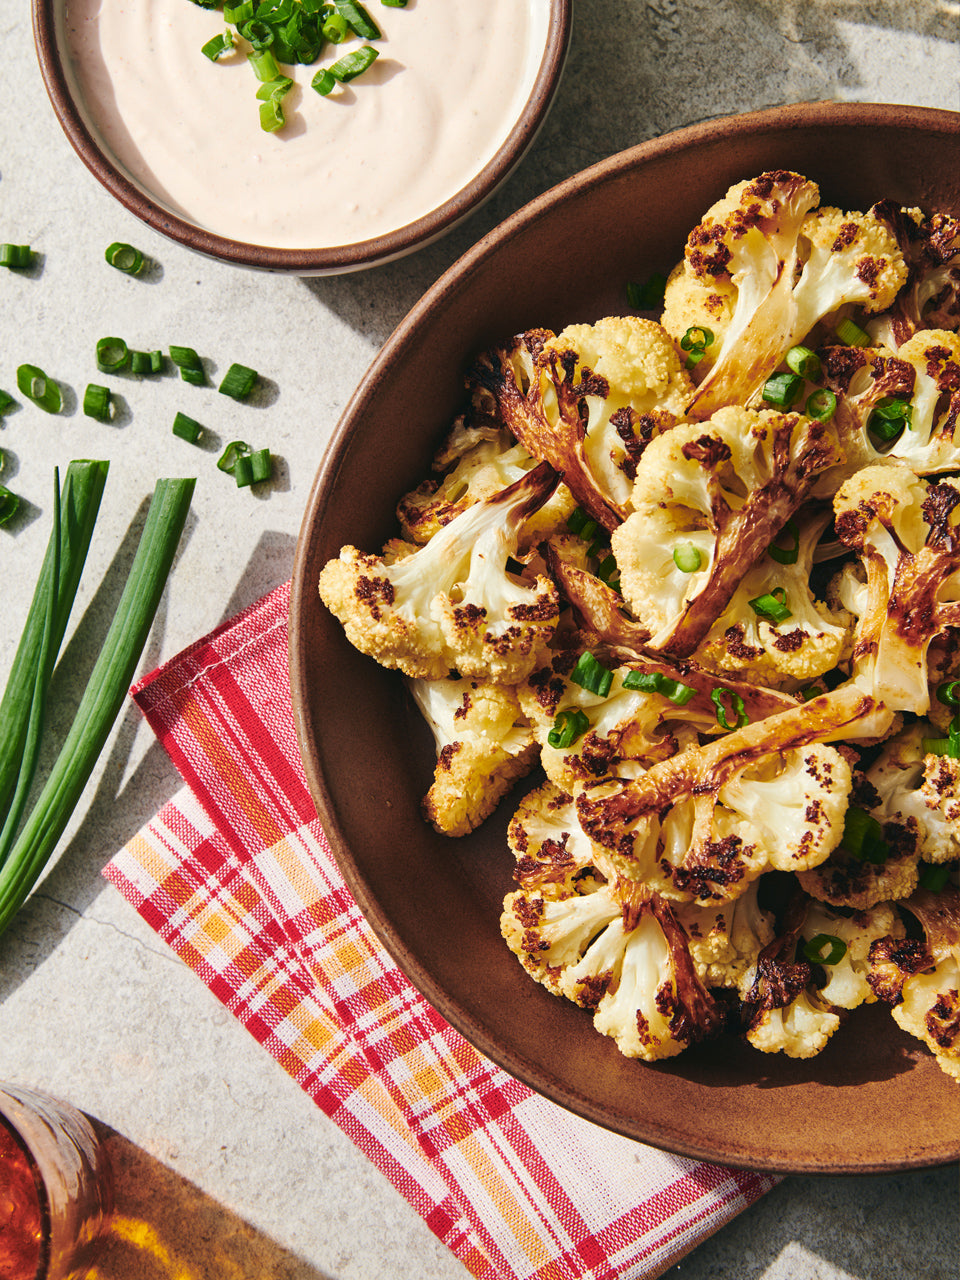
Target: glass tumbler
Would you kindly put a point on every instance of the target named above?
(56, 1188)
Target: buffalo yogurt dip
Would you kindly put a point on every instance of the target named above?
(385, 149)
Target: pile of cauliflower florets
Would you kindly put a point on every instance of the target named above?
(704, 570)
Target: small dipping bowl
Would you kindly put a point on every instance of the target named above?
(104, 98)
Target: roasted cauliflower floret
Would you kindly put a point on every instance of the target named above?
(483, 746)
(789, 265)
(454, 604)
(709, 499)
(847, 975)
(920, 790)
(725, 938)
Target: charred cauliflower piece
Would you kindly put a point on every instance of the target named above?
(721, 491)
(483, 746)
(453, 604)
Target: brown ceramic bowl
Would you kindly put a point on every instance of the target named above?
(49, 25)
(875, 1099)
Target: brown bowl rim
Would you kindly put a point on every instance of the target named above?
(320, 260)
(303, 597)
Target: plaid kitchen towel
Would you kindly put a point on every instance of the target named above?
(236, 876)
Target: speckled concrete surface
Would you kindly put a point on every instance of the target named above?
(226, 1168)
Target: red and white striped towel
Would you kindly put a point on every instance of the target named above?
(236, 876)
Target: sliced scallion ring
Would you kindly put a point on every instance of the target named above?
(187, 428)
(687, 557)
(253, 468)
(592, 675)
(9, 502)
(188, 362)
(803, 361)
(825, 948)
(772, 606)
(219, 45)
(737, 708)
(124, 257)
(786, 555)
(234, 450)
(96, 402)
(821, 405)
(782, 389)
(656, 682)
(36, 386)
(7, 402)
(569, 724)
(863, 837)
(113, 355)
(357, 18)
(851, 335)
(16, 256)
(238, 382)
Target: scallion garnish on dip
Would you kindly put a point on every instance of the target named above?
(290, 32)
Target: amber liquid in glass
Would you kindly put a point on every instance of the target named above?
(21, 1217)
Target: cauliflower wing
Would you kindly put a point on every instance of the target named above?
(453, 604)
(722, 490)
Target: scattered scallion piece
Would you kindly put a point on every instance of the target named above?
(253, 468)
(782, 389)
(803, 361)
(187, 428)
(772, 606)
(265, 65)
(890, 416)
(948, 746)
(124, 257)
(96, 402)
(737, 709)
(218, 46)
(821, 405)
(9, 503)
(933, 877)
(234, 450)
(238, 382)
(656, 682)
(146, 362)
(863, 837)
(28, 853)
(607, 572)
(346, 68)
(569, 724)
(113, 355)
(949, 693)
(825, 948)
(324, 82)
(36, 386)
(687, 558)
(16, 256)
(335, 28)
(357, 18)
(786, 555)
(851, 335)
(394, 4)
(647, 296)
(695, 342)
(592, 675)
(239, 13)
(7, 402)
(810, 691)
(188, 362)
(259, 34)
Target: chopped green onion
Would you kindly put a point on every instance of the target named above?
(889, 418)
(112, 355)
(9, 502)
(810, 691)
(736, 707)
(253, 468)
(106, 690)
(335, 29)
(821, 405)
(863, 837)
(265, 65)
(949, 746)
(576, 520)
(933, 877)
(271, 115)
(96, 402)
(772, 606)
(36, 386)
(786, 555)
(825, 948)
(695, 341)
(146, 362)
(7, 402)
(607, 572)
(570, 724)
(124, 257)
(228, 459)
(655, 682)
(803, 361)
(239, 13)
(187, 428)
(188, 362)
(687, 558)
(259, 34)
(238, 382)
(347, 68)
(274, 90)
(357, 18)
(16, 256)
(647, 296)
(851, 335)
(591, 675)
(949, 693)
(213, 49)
(782, 389)
(394, 4)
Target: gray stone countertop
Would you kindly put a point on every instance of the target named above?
(228, 1168)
